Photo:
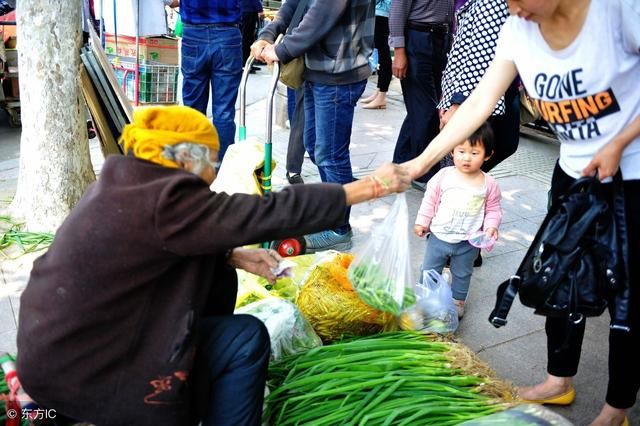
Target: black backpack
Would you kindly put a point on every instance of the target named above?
(577, 260)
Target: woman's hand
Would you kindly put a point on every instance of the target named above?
(444, 119)
(386, 179)
(606, 161)
(390, 178)
(257, 48)
(257, 261)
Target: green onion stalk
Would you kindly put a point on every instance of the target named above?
(399, 378)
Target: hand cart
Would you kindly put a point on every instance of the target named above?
(293, 246)
(9, 91)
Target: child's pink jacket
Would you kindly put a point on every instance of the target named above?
(431, 201)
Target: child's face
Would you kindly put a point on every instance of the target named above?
(467, 158)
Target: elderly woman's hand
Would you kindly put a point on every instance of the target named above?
(390, 178)
(257, 261)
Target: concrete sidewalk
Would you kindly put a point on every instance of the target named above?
(516, 352)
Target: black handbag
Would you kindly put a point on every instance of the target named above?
(577, 261)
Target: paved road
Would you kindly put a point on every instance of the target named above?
(516, 352)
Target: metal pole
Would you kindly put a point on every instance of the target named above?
(137, 71)
(242, 130)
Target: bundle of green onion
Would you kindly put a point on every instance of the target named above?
(401, 378)
(25, 240)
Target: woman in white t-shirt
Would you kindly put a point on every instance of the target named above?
(580, 61)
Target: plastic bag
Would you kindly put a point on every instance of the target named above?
(327, 299)
(522, 415)
(434, 309)
(480, 240)
(289, 331)
(242, 169)
(381, 273)
(252, 288)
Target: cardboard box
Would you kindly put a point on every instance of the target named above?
(152, 49)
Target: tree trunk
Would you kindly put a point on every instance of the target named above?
(55, 165)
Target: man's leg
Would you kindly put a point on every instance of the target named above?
(231, 364)
(249, 25)
(334, 107)
(195, 67)
(309, 137)
(295, 149)
(226, 72)
(420, 96)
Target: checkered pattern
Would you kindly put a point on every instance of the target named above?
(474, 45)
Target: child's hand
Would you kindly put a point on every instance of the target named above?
(419, 230)
(492, 233)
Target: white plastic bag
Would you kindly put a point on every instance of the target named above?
(289, 331)
(381, 272)
(434, 309)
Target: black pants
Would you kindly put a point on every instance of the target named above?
(421, 90)
(506, 129)
(231, 370)
(381, 42)
(624, 369)
(249, 30)
(295, 149)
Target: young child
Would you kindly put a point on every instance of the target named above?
(459, 201)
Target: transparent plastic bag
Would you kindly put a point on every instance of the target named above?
(381, 273)
(327, 299)
(289, 331)
(480, 240)
(434, 309)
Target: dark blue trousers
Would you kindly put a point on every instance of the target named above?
(421, 89)
(231, 370)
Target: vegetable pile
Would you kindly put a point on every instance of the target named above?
(401, 378)
(333, 307)
(376, 289)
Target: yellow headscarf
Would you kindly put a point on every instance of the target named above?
(153, 128)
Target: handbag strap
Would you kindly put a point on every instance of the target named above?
(297, 16)
(504, 299)
(620, 315)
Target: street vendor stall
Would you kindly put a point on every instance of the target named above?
(144, 56)
(9, 86)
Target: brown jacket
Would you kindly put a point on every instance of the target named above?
(106, 320)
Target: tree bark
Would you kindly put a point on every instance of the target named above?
(55, 165)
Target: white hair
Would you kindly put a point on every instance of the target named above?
(199, 155)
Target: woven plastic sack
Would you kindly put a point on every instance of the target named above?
(327, 299)
(434, 310)
(289, 331)
(381, 272)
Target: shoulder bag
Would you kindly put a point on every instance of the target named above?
(577, 261)
(291, 72)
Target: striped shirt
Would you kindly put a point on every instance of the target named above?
(422, 11)
(210, 11)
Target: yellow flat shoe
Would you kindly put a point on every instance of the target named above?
(563, 399)
(625, 422)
